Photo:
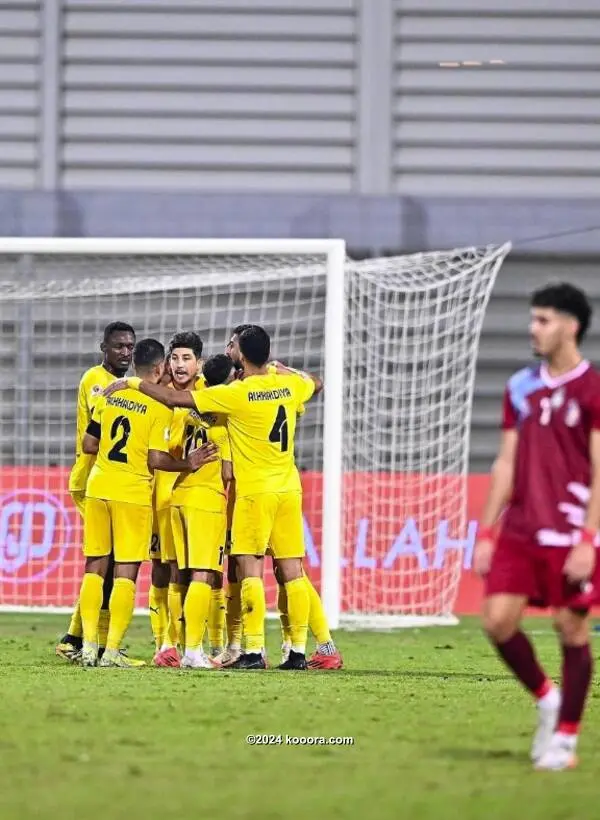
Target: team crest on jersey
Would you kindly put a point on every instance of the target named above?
(96, 390)
(572, 414)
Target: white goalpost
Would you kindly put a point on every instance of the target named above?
(383, 453)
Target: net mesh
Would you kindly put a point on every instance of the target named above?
(412, 325)
(412, 333)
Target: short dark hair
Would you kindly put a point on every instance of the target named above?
(117, 327)
(147, 353)
(189, 339)
(237, 331)
(568, 299)
(217, 368)
(255, 345)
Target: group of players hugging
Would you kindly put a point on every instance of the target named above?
(189, 464)
(222, 443)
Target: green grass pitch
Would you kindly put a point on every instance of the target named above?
(440, 731)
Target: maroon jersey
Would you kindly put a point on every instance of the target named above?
(554, 418)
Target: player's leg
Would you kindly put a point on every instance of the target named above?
(252, 524)
(70, 644)
(159, 588)
(216, 615)
(233, 615)
(158, 605)
(512, 582)
(103, 622)
(97, 547)
(282, 609)
(287, 543)
(577, 665)
(204, 541)
(132, 532)
(326, 655)
(168, 654)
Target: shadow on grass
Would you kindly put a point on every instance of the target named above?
(465, 753)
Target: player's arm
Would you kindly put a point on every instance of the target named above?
(581, 560)
(230, 506)
(164, 395)
(160, 460)
(287, 371)
(91, 438)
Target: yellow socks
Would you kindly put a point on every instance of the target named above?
(233, 615)
(158, 604)
(196, 609)
(282, 606)
(254, 609)
(75, 626)
(216, 620)
(103, 623)
(317, 620)
(121, 605)
(90, 601)
(176, 597)
(298, 608)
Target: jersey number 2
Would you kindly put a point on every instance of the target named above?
(117, 452)
(279, 430)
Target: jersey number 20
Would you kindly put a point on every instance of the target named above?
(279, 430)
(117, 452)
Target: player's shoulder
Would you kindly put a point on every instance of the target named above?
(95, 379)
(530, 374)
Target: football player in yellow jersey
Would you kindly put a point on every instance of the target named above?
(117, 350)
(169, 585)
(326, 655)
(199, 515)
(130, 436)
(261, 410)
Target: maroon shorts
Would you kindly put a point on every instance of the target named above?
(522, 567)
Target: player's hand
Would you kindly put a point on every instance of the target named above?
(203, 455)
(580, 562)
(482, 556)
(115, 387)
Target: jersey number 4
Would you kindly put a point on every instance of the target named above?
(121, 425)
(279, 430)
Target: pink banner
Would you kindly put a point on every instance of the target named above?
(387, 560)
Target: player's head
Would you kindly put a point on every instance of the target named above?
(185, 352)
(560, 315)
(149, 360)
(233, 346)
(218, 369)
(117, 347)
(255, 346)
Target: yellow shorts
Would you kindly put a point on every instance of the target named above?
(78, 497)
(270, 521)
(119, 527)
(199, 538)
(162, 546)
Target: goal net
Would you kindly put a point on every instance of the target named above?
(382, 454)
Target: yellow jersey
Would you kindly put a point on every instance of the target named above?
(203, 489)
(261, 421)
(91, 385)
(163, 479)
(128, 424)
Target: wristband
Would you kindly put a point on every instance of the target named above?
(485, 533)
(134, 382)
(587, 535)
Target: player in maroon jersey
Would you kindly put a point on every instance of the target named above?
(547, 473)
